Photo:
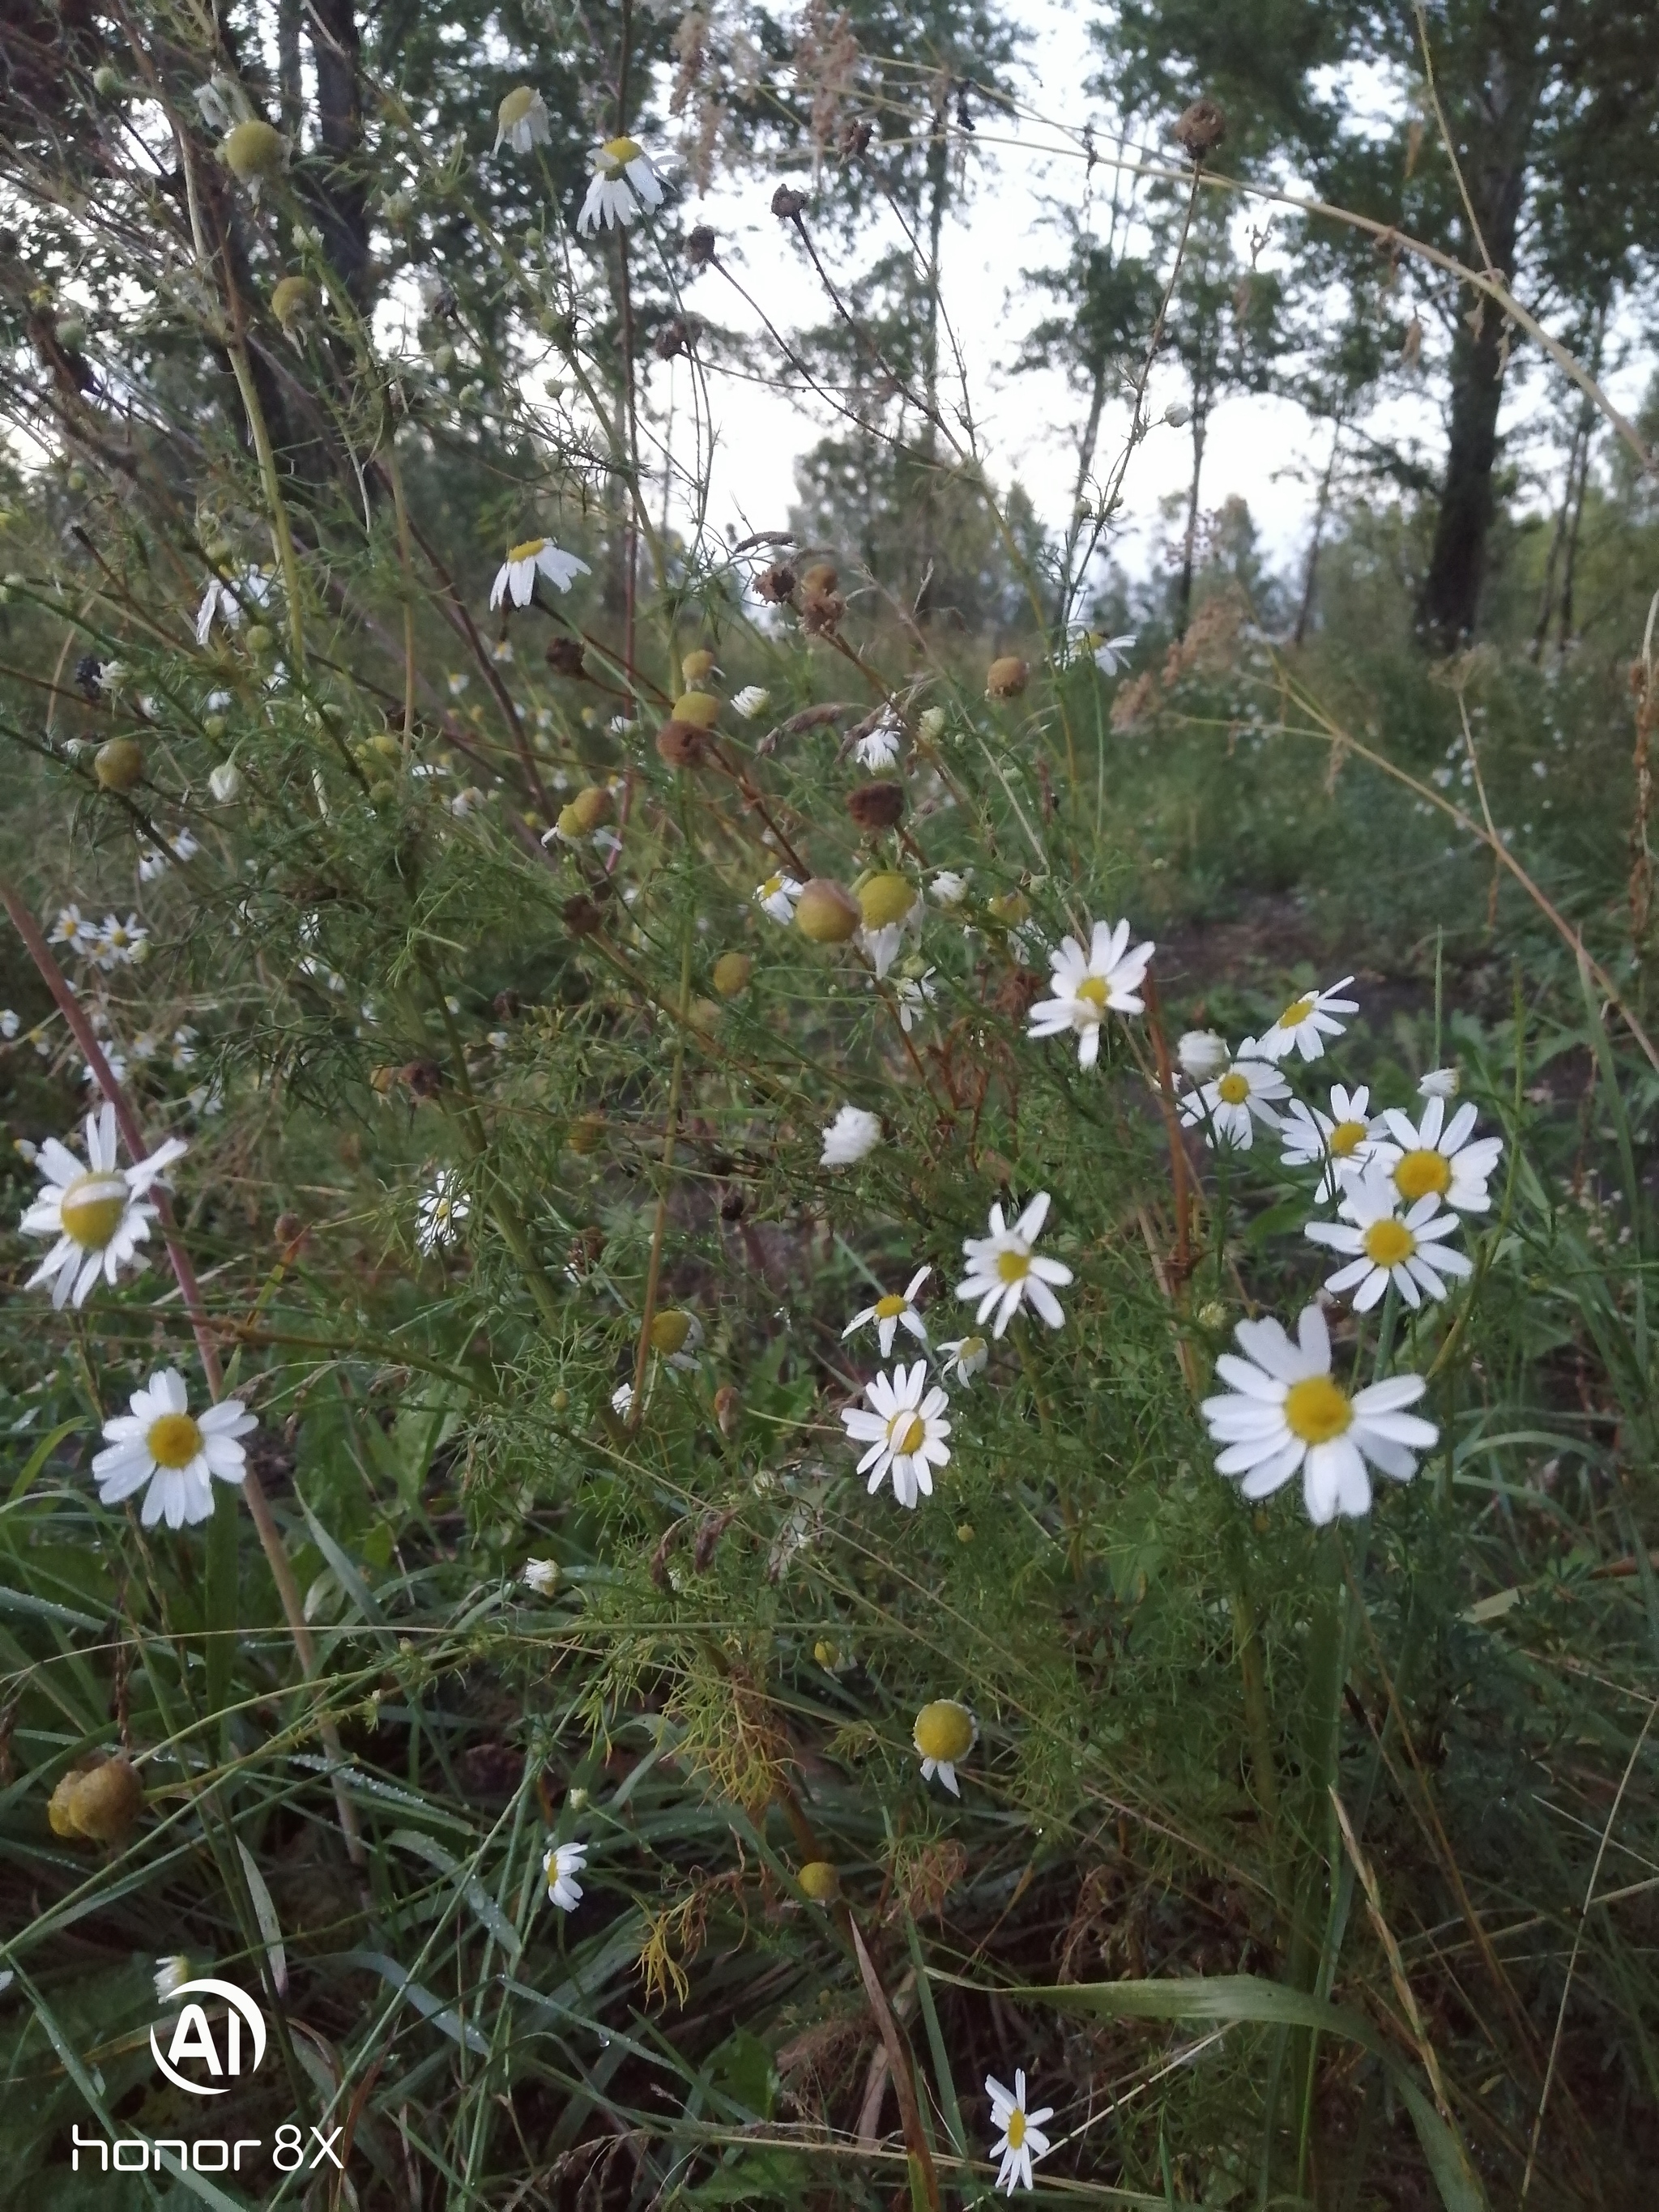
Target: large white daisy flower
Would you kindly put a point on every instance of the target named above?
(624, 185)
(1286, 1413)
(1004, 1273)
(903, 1432)
(522, 120)
(777, 898)
(1239, 1097)
(444, 1206)
(854, 1133)
(162, 1444)
(889, 1313)
(535, 556)
(1340, 1141)
(1385, 1247)
(945, 1731)
(98, 1212)
(1088, 986)
(1434, 1156)
(1307, 1022)
(1020, 2138)
(561, 1864)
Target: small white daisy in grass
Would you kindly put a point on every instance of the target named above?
(1385, 1246)
(1339, 1141)
(183, 1054)
(117, 1062)
(72, 928)
(1005, 1272)
(896, 1310)
(522, 120)
(1230, 1106)
(99, 1213)
(853, 1134)
(753, 699)
(171, 1974)
(9, 1024)
(1307, 1022)
(944, 1732)
(950, 886)
(1285, 1411)
(444, 1206)
(1020, 2137)
(1201, 1054)
(902, 1428)
(458, 679)
(162, 1444)
(624, 185)
(1086, 987)
(963, 1358)
(777, 898)
(120, 944)
(1439, 1083)
(535, 556)
(915, 995)
(561, 1864)
(1434, 1156)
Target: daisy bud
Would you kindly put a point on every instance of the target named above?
(827, 1655)
(820, 1881)
(1006, 677)
(215, 725)
(258, 638)
(930, 725)
(100, 1804)
(825, 913)
(876, 806)
(291, 299)
(885, 899)
(728, 1408)
(701, 708)
(71, 333)
(225, 781)
(587, 1134)
(1200, 129)
(118, 764)
(774, 585)
(1202, 1053)
(253, 151)
(669, 1330)
(698, 665)
(731, 974)
(680, 744)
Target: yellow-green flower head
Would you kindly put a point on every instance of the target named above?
(624, 186)
(522, 120)
(945, 1732)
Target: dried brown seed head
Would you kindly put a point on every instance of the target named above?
(564, 657)
(681, 745)
(876, 806)
(700, 245)
(1006, 677)
(1200, 129)
(787, 203)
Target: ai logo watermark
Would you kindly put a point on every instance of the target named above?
(193, 2038)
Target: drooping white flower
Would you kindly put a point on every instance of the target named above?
(1340, 1141)
(896, 1310)
(1307, 1022)
(753, 699)
(1020, 2137)
(903, 1430)
(1201, 1054)
(224, 782)
(1086, 987)
(949, 887)
(99, 1213)
(624, 185)
(777, 898)
(1386, 1247)
(1237, 1099)
(915, 994)
(879, 747)
(1110, 652)
(561, 1864)
(853, 1133)
(541, 1575)
(522, 120)
(945, 1731)
(1434, 1156)
(962, 1358)
(535, 556)
(1284, 1413)
(161, 1444)
(1439, 1083)
(444, 1206)
(1004, 1273)
(170, 1973)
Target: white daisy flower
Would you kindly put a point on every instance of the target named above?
(1284, 1413)
(1425, 1156)
(777, 898)
(1385, 1247)
(160, 1443)
(224, 602)
(889, 1313)
(1020, 2138)
(99, 1213)
(1110, 653)
(170, 1973)
(535, 556)
(502, 653)
(962, 1358)
(9, 1024)
(73, 929)
(1307, 1022)
(183, 1054)
(753, 699)
(1088, 986)
(1201, 1054)
(1339, 1141)
(945, 1731)
(622, 1400)
(1439, 1083)
(879, 748)
(522, 120)
(1004, 1273)
(1237, 1099)
(850, 1137)
(444, 1206)
(118, 1067)
(881, 947)
(949, 887)
(915, 994)
(541, 1575)
(457, 679)
(120, 944)
(903, 1430)
(624, 185)
(561, 1864)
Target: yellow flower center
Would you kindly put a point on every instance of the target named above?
(1317, 1410)
(619, 152)
(944, 1731)
(517, 105)
(92, 1209)
(1388, 1242)
(173, 1440)
(1016, 2129)
(1346, 1138)
(528, 550)
(1233, 1089)
(1092, 990)
(1297, 1013)
(1420, 1172)
(1013, 1266)
(669, 1330)
(772, 886)
(890, 1307)
(915, 1433)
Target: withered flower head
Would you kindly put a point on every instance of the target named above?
(1200, 128)
(787, 202)
(681, 745)
(776, 584)
(674, 337)
(1006, 677)
(700, 247)
(876, 806)
(564, 657)
(582, 916)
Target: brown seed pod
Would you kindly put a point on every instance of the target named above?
(564, 657)
(288, 1234)
(876, 806)
(582, 916)
(506, 1004)
(681, 745)
(674, 337)
(820, 578)
(100, 1803)
(422, 1078)
(821, 612)
(787, 203)
(728, 1408)
(776, 584)
(700, 245)
(1006, 677)
(1200, 129)
(825, 913)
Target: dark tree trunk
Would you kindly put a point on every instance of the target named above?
(343, 209)
(1189, 543)
(1322, 511)
(290, 84)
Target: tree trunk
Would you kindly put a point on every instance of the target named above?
(290, 82)
(342, 213)
(1321, 510)
(927, 505)
(1189, 544)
